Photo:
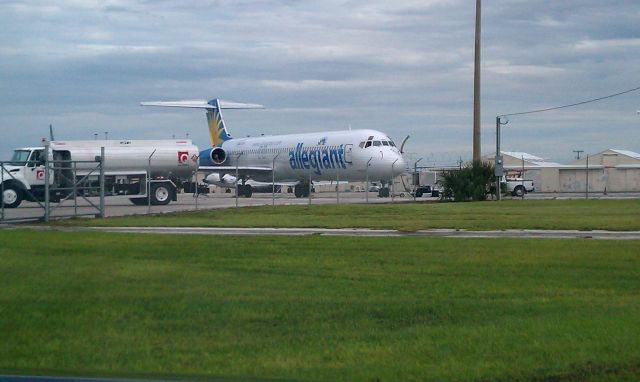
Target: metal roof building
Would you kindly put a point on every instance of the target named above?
(611, 170)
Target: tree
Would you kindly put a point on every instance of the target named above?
(472, 182)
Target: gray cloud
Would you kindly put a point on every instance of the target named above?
(402, 67)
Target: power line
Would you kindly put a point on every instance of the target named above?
(571, 105)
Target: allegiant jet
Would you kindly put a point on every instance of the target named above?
(295, 159)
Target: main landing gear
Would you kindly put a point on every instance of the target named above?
(302, 190)
(383, 192)
(245, 190)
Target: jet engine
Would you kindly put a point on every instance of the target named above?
(218, 155)
(221, 180)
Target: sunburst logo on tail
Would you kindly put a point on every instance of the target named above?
(216, 128)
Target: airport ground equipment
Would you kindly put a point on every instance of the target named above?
(142, 170)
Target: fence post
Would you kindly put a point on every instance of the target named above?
(587, 182)
(366, 195)
(75, 189)
(102, 214)
(309, 185)
(149, 182)
(2, 191)
(47, 179)
(415, 172)
(237, 176)
(392, 182)
(195, 183)
(338, 183)
(273, 180)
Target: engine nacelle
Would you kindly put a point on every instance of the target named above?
(218, 155)
(222, 180)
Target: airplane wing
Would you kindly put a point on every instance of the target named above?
(230, 169)
(242, 170)
(252, 172)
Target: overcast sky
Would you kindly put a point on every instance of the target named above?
(402, 67)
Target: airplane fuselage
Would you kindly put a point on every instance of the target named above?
(351, 155)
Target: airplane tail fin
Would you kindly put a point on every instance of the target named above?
(217, 129)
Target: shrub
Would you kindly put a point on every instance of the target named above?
(471, 182)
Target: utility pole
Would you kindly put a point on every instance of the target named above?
(578, 152)
(498, 171)
(476, 87)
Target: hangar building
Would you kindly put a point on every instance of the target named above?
(611, 170)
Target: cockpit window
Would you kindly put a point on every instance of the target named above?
(370, 137)
(392, 144)
(361, 144)
(385, 143)
(377, 143)
(368, 144)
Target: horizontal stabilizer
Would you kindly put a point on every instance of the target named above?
(202, 104)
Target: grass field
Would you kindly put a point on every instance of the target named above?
(319, 308)
(512, 214)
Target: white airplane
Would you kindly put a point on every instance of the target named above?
(292, 159)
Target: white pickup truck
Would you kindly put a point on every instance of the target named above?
(517, 186)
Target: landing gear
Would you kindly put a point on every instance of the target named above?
(302, 190)
(383, 192)
(245, 190)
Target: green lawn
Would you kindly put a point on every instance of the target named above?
(512, 214)
(319, 308)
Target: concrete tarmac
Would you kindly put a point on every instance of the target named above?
(457, 233)
(121, 206)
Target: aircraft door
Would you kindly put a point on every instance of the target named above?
(348, 150)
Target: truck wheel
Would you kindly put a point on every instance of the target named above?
(518, 191)
(160, 194)
(12, 196)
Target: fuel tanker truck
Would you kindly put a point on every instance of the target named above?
(74, 167)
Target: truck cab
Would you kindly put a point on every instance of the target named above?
(22, 175)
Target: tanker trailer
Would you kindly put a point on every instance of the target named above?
(74, 166)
